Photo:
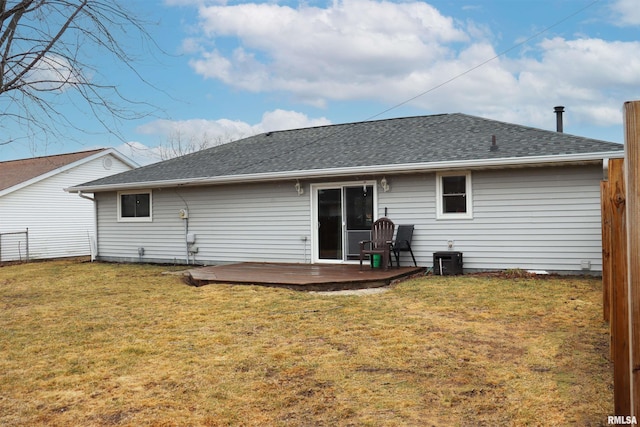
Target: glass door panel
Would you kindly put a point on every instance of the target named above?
(330, 224)
(358, 205)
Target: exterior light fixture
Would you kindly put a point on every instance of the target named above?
(299, 188)
(384, 184)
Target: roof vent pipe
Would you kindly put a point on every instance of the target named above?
(494, 144)
(559, 110)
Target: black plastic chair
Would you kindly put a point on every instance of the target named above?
(402, 243)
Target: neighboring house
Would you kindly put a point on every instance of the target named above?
(32, 197)
(505, 195)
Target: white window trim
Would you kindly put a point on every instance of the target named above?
(468, 193)
(135, 219)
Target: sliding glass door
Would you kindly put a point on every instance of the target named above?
(343, 214)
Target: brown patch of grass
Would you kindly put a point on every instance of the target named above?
(123, 345)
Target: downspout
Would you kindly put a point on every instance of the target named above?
(186, 237)
(95, 224)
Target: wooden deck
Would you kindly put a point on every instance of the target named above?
(307, 277)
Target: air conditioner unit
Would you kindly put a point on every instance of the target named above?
(447, 263)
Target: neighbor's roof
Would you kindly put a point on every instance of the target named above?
(394, 145)
(16, 172)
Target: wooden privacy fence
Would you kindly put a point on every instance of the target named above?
(621, 265)
(14, 245)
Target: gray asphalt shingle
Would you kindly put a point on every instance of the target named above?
(424, 139)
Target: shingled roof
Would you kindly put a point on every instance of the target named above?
(15, 172)
(364, 147)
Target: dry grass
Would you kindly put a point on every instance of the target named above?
(110, 345)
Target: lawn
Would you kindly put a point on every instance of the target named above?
(94, 344)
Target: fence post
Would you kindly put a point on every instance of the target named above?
(605, 203)
(619, 292)
(632, 176)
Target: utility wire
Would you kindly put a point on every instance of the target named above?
(504, 52)
(344, 127)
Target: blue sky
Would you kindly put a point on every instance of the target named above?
(234, 69)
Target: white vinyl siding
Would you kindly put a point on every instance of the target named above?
(60, 224)
(536, 219)
(411, 201)
(262, 222)
(545, 218)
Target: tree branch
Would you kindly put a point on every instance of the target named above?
(46, 47)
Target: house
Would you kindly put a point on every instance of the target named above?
(32, 198)
(505, 195)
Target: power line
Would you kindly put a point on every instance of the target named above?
(346, 126)
(504, 52)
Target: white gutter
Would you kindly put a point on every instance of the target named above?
(360, 170)
(84, 196)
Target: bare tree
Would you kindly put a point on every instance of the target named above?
(180, 143)
(177, 143)
(48, 55)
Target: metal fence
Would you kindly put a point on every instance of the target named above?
(14, 246)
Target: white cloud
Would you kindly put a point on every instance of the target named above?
(627, 12)
(222, 130)
(139, 152)
(607, 63)
(282, 120)
(202, 133)
(340, 52)
(591, 76)
(352, 50)
(52, 72)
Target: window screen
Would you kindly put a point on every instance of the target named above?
(135, 205)
(454, 196)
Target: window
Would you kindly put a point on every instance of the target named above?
(134, 206)
(454, 196)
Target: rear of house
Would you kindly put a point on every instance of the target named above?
(502, 208)
(532, 218)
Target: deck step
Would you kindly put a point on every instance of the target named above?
(306, 277)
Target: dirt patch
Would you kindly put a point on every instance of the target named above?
(514, 274)
(357, 292)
